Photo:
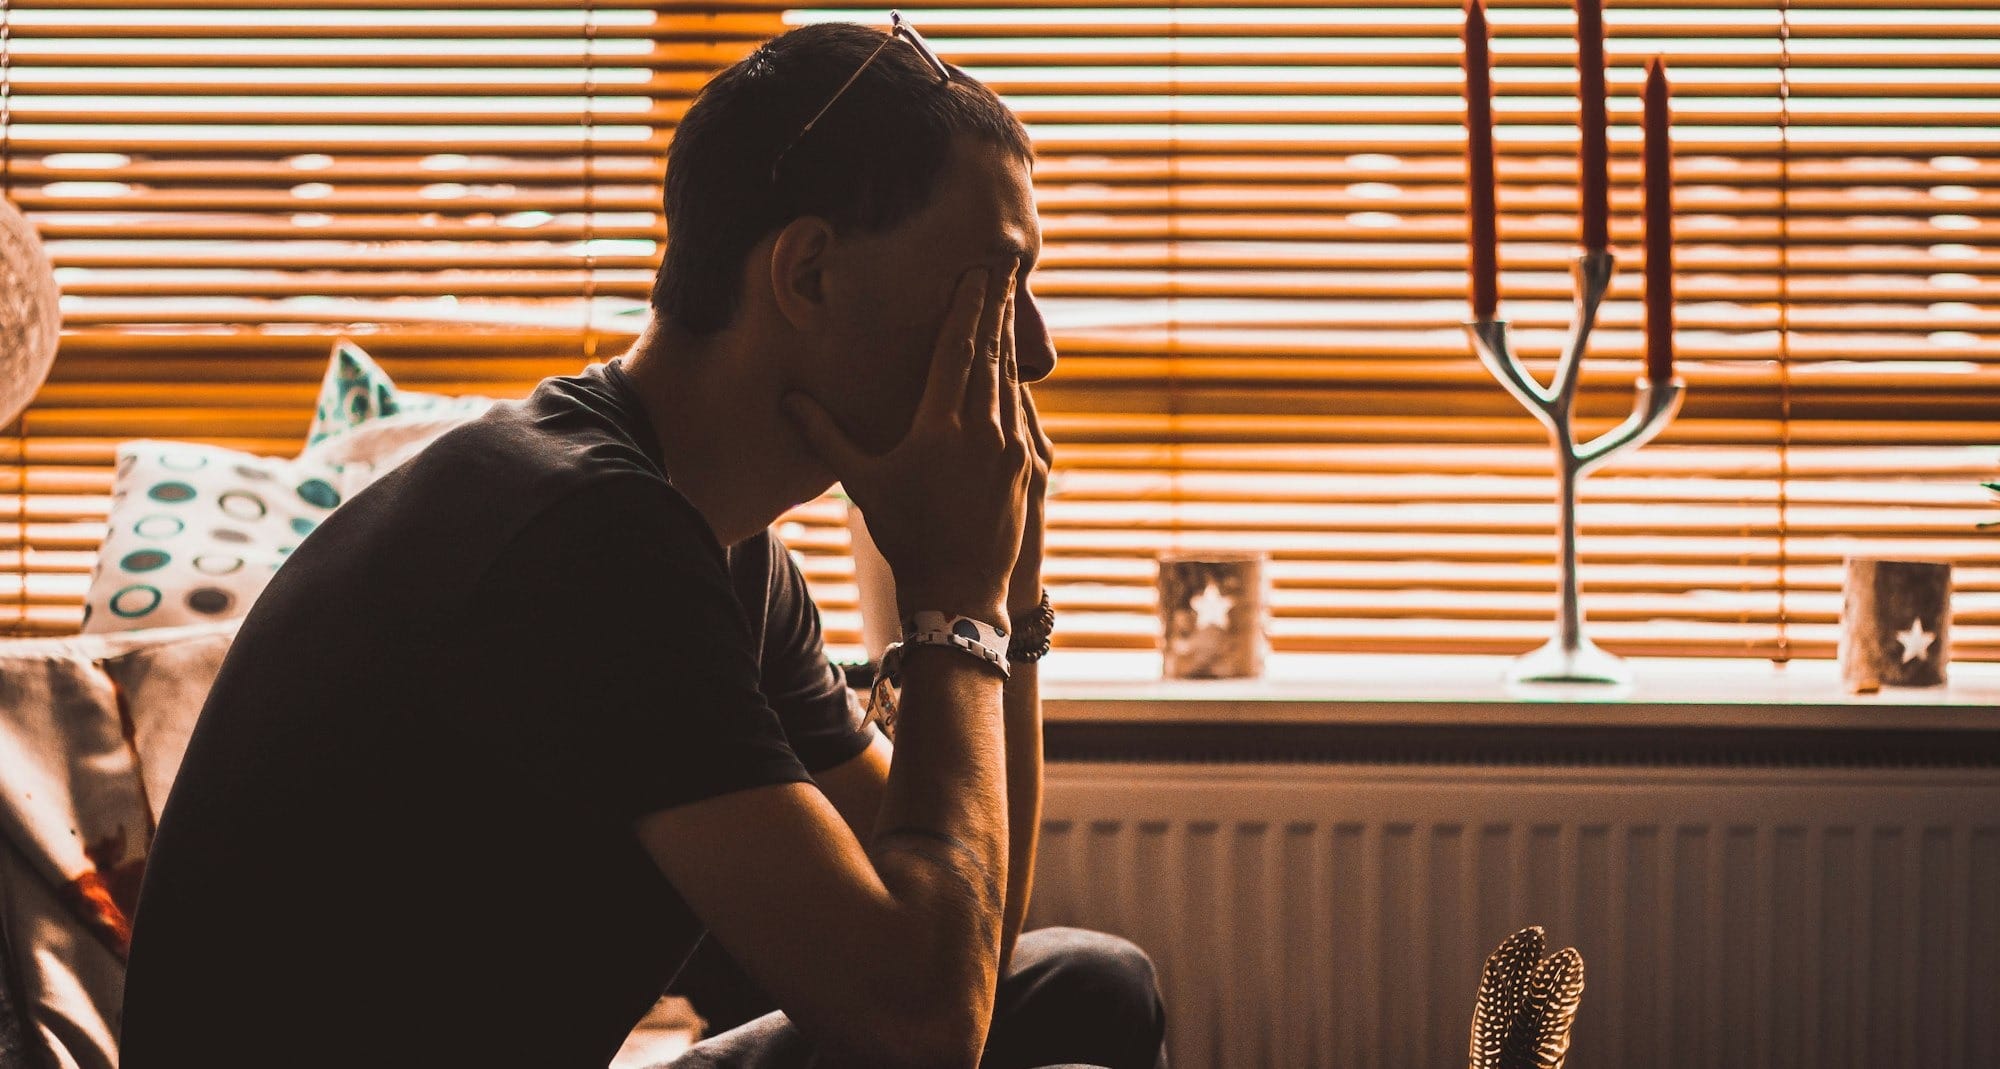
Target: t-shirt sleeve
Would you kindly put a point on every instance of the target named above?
(621, 670)
(823, 722)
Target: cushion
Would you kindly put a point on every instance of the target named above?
(364, 453)
(356, 392)
(163, 678)
(76, 829)
(196, 530)
(365, 424)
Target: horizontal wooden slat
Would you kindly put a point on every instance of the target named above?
(1919, 276)
(39, 33)
(633, 278)
(1519, 172)
(1188, 349)
(1433, 208)
(1815, 90)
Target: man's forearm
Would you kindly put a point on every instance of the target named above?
(1023, 702)
(940, 842)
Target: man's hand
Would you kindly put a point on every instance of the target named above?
(947, 504)
(1024, 586)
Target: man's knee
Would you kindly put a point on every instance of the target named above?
(1095, 966)
(1085, 983)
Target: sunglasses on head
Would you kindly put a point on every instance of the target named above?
(899, 27)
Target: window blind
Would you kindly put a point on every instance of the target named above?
(1255, 267)
(469, 188)
(1256, 250)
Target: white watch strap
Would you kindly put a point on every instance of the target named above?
(974, 637)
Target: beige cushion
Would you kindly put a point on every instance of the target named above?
(77, 828)
(164, 677)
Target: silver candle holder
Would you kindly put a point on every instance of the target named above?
(1570, 656)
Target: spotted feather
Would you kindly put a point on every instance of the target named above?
(1503, 986)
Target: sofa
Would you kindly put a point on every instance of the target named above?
(92, 729)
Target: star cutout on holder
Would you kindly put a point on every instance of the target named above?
(1916, 641)
(1211, 607)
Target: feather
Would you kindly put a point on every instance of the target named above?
(1502, 986)
(1539, 1038)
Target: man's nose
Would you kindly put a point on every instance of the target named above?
(1034, 350)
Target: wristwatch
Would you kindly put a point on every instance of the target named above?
(976, 638)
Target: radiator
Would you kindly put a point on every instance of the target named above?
(1331, 915)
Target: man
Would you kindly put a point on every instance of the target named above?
(525, 717)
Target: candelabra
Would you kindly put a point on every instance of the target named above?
(1570, 656)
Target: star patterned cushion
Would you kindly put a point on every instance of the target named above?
(196, 530)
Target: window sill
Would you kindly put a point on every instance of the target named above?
(1356, 709)
(1669, 693)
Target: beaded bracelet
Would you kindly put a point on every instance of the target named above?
(1032, 639)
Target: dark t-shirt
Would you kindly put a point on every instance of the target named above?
(403, 832)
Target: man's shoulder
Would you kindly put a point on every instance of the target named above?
(572, 430)
(561, 463)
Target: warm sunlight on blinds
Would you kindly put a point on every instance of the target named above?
(1256, 250)
(470, 188)
(1255, 262)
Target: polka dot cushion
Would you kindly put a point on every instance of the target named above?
(356, 392)
(196, 531)
(372, 450)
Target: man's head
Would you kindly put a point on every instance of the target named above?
(868, 164)
(853, 241)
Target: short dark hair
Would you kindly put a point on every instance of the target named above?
(871, 162)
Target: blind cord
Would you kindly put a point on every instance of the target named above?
(589, 181)
(1176, 453)
(1784, 653)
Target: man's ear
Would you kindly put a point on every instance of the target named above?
(798, 270)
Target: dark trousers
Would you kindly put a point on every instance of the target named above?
(1070, 997)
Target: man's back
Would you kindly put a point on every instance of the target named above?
(402, 832)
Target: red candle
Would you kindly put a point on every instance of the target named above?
(1593, 154)
(1482, 211)
(1659, 229)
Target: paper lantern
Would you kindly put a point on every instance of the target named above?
(30, 314)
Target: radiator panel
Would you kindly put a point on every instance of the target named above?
(1338, 915)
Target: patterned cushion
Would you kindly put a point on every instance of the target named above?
(196, 531)
(357, 392)
(372, 450)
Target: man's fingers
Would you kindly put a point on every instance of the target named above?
(982, 385)
(1010, 380)
(825, 436)
(956, 347)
